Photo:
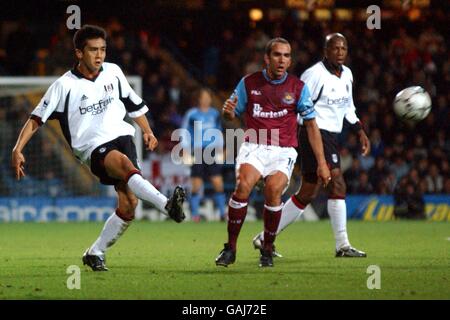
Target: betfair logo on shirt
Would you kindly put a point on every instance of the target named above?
(96, 108)
(340, 100)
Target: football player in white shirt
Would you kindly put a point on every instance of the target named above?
(90, 102)
(330, 83)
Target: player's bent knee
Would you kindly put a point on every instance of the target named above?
(338, 187)
(125, 213)
(127, 165)
(305, 199)
(243, 187)
(306, 195)
(133, 203)
(273, 191)
(272, 194)
(118, 165)
(126, 208)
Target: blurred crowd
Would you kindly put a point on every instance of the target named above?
(383, 62)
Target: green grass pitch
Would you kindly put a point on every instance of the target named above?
(164, 260)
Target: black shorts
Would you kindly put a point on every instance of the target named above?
(123, 144)
(307, 159)
(205, 171)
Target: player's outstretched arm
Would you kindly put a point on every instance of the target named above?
(150, 140)
(364, 141)
(228, 108)
(315, 140)
(17, 158)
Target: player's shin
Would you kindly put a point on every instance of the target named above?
(114, 227)
(292, 210)
(144, 190)
(237, 210)
(271, 217)
(337, 210)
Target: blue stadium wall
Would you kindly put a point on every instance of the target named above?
(381, 208)
(42, 209)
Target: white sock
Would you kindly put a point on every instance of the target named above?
(337, 210)
(290, 212)
(114, 227)
(144, 190)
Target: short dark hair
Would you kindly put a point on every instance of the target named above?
(87, 32)
(271, 42)
(332, 37)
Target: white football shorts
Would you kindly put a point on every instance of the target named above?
(267, 159)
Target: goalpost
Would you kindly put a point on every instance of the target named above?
(57, 187)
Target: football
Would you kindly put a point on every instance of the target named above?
(412, 103)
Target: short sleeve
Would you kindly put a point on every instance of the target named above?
(241, 94)
(134, 104)
(305, 106)
(312, 80)
(51, 102)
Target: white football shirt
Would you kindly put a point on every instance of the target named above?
(91, 112)
(331, 95)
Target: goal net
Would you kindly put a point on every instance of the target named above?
(56, 186)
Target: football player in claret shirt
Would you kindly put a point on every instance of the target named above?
(330, 82)
(90, 101)
(269, 102)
